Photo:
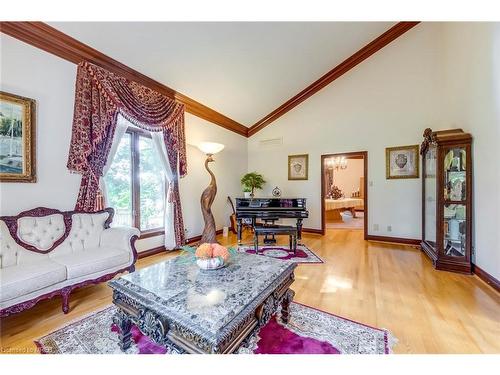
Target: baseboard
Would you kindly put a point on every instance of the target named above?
(486, 277)
(312, 230)
(151, 234)
(404, 241)
(150, 252)
(160, 249)
(193, 239)
(479, 272)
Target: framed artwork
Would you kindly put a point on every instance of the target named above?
(17, 138)
(298, 167)
(401, 162)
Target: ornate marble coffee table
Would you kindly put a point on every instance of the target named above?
(190, 310)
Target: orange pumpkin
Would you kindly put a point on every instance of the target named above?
(212, 250)
(204, 251)
(220, 251)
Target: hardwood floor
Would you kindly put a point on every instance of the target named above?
(383, 285)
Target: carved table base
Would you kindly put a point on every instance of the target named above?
(169, 332)
(124, 323)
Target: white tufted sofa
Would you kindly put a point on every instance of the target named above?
(46, 252)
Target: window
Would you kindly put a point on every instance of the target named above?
(152, 186)
(135, 183)
(119, 183)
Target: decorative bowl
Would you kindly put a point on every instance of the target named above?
(210, 263)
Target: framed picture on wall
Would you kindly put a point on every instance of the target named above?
(17, 138)
(402, 162)
(298, 167)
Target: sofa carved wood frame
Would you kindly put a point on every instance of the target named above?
(12, 225)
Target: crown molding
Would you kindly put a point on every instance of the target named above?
(49, 39)
(393, 33)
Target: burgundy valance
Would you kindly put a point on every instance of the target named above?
(100, 96)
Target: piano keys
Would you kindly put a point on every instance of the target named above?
(271, 209)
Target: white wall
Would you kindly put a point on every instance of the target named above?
(471, 61)
(33, 73)
(388, 100)
(49, 80)
(438, 75)
(348, 180)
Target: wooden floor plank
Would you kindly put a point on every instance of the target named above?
(382, 285)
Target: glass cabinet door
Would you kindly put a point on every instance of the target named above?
(430, 195)
(454, 210)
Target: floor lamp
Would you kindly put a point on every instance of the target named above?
(208, 195)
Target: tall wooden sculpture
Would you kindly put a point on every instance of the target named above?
(208, 195)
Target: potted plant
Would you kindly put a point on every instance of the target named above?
(247, 191)
(252, 181)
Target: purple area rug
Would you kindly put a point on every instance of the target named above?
(303, 255)
(276, 339)
(310, 331)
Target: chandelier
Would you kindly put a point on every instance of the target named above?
(339, 162)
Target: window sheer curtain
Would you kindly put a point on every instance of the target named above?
(121, 128)
(171, 179)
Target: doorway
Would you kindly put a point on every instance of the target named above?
(344, 191)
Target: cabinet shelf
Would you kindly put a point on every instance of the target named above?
(448, 202)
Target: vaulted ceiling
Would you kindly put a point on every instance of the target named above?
(242, 70)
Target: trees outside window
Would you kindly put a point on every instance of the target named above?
(135, 183)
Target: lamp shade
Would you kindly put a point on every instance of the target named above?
(210, 148)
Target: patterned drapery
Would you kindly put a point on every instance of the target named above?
(100, 96)
(173, 189)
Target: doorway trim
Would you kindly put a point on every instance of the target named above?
(363, 154)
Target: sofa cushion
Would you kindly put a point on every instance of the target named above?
(90, 261)
(8, 247)
(19, 280)
(41, 232)
(86, 229)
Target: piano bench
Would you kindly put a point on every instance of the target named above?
(275, 230)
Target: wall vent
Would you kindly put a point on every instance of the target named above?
(271, 142)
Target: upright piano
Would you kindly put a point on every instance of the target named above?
(271, 209)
